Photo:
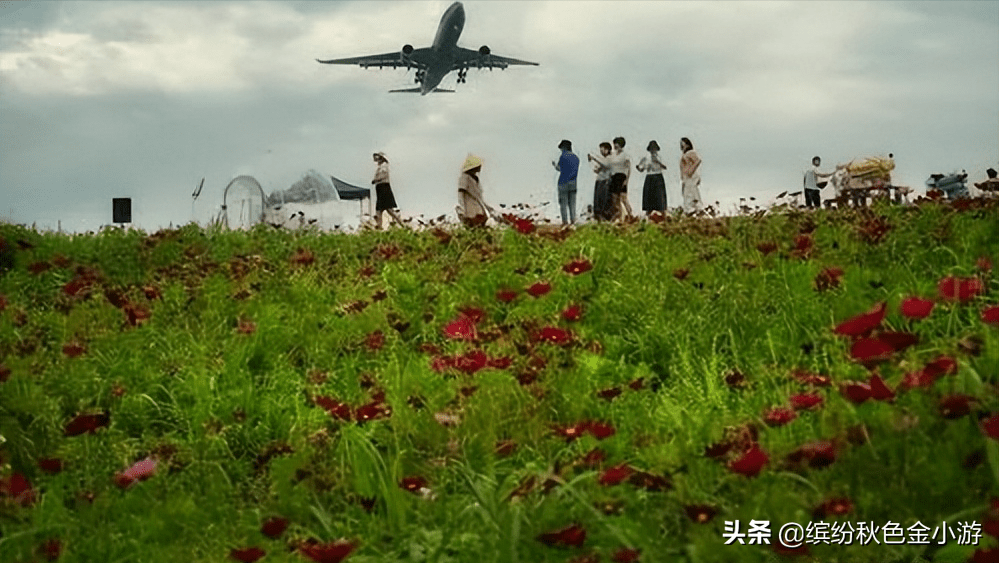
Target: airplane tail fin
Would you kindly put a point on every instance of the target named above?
(419, 91)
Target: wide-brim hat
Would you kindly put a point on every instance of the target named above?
(471, 161)
(653, 146)
(565, 144)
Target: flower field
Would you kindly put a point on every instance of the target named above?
(613, 393)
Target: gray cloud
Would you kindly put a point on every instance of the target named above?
(142, 99)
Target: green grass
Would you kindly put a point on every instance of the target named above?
(231, 417)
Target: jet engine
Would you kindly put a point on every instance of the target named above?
(484, 51)
(407, 50)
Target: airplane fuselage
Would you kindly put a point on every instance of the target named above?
(444, 47)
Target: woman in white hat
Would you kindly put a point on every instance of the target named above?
(472, 209)
(385, 200)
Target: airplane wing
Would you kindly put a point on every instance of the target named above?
(419, 90)
(467, 58)
(418, 58)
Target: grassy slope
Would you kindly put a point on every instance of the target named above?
(229, 416)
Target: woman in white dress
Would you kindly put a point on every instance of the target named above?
(690, 165)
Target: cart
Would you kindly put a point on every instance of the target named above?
(868, 178)
(953, 185)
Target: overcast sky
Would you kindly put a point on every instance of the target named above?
(142, 99)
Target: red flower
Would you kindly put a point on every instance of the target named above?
(593, 458)
(140, 471)
(4, 373)
(779, 416)
(868, 351)
(650, 482)
(615, 475)
(274, 526)
(246, 327)
(984, 264)
(990, 315)
(961, 290)
(577, 267)
(247, 554)
(506, 295)
(570, 433)
(523, 226)
(898, 340)
(50, 465)
(303, 257)
(474, 314)
(336, 409)
(828, 278)
(136, 314)
(833, 507)
(38, 267)
(505, 448)
(637, 384)
(626, 555)
(554, 335)
(750, 463)
(803, 244)
(609, 393)
(802, 401)
(375, 341)
(52, 549)
(372, 411)
(766, 247)
(152, 292)
(700, 513)
(573, 536)
(73, 349)
(574, 312)
(816, 454)
(472, 362)
(856, 392)
(956, 406)
(539, 288)
(990, 426)
(916, 308)
(681, 273)
(18, 488)
(334, 552)
(983, 555)
(413, 484)
(502, 362)
(879, 389)
(600, 430)
(462, 328)
(811, 378)
(3, 302)
(943, 365)
(87, 423)
(864, 323)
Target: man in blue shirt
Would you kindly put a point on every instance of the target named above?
(568, 167)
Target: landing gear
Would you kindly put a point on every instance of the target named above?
(420, 74)
(461, 75)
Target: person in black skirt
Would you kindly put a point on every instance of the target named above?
(654, 194)
(384, 201)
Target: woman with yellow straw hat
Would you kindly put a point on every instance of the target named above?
(472, 209)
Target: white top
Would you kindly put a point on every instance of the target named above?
(381, 174)
(619, 163)
(651, 164)
(811, 178)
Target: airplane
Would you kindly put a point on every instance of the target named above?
(434, 62)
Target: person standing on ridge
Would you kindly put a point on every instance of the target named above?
(472, 208)
(384, 199)
(620, 168)
(568, 168)
(812, 184)
(654, 192)
(602, 202)
(690, 164)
